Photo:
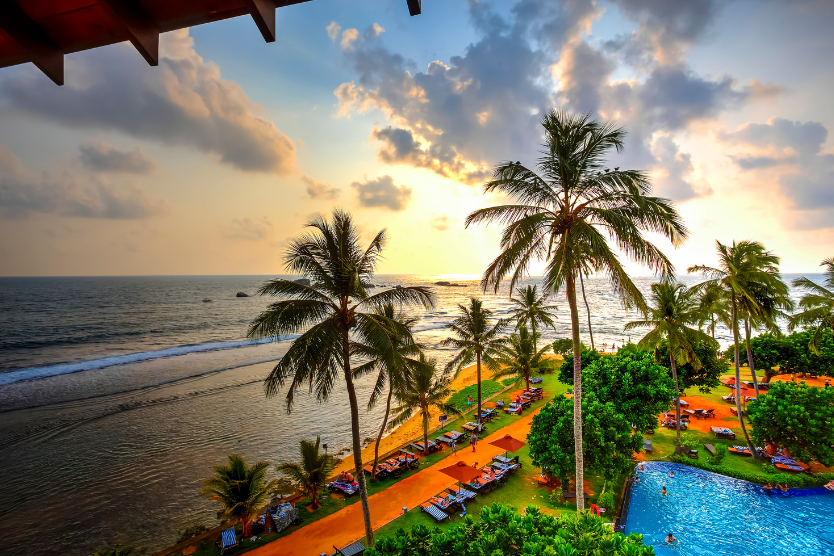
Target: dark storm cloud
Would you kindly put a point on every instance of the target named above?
(104, 158)
(184, 102)
(383, 193)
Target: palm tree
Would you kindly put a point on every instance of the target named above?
(114, 551)
(532, 308)
(771, 300)
(421, 393)
(330, 314)
(311, 474)
(519, 356)
(566, 213)
(671, 315)
(744, 269)
(476, 339)
(587, 310)
(395, 372)
(817, 305)
(713, 307)
(241, 489)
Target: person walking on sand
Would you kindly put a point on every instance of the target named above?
(473, 440)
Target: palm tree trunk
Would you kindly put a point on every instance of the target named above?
(478, 354)
(535, 340)
(737, 353)
(314, 494)
(382, 429)
(357, 446)
(750, 356)
(712, 329)
(678, 449)
(577, 393)
(425, 432)
(587, 310)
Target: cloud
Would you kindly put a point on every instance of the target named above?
(349, 36)
(185, 102)
(803, 138)
(442, 222)
(383, 193)
(319, 189)
(101, 157)
(676, 172)
(333, 30)
(758, 162)
(249, 229)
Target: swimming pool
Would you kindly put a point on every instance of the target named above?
(712, 514)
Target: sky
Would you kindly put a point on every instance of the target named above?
(211, 162)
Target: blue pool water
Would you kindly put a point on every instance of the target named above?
(712, 514)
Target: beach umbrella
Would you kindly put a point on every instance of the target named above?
(462, 472)
(507, 443)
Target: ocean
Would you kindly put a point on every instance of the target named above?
(119, 394)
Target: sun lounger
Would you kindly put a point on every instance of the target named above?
(684, 403)
(433, 447)
(729, 399)
(690, 412)
(472, 427)
(438, 514)
(708, 413)
(462, 493)
(228, 539)
(354, 549)
(647, 445)
(722, 432)
(572, 495)
(514, 408)
(444, 502)
(739, 451)
(536, 380)
(710, 448)
(454, 436)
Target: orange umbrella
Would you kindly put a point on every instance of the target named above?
(462, 472)
(508, 443)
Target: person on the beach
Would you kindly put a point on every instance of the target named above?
(473, 440)
(341, 477)
(475, 465)
(468, 401)
(664, 490)
(455, 448)
(670, 539)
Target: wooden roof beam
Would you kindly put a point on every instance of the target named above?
(263, 12)
(414, 7)
(137, 24)
(45, 54)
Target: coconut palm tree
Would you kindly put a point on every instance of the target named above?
(424, 391)
(241, 489)
(771, 300)
(311, 474)
(334, 315)
(568, 212)
(530, 307)
(713, 308)
(118, 551)
(743, 270)
(673, 311)
(395, 372)
(477, 339)
(519, 357)
(817, 305)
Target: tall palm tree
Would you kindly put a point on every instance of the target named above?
(771, 300)
(519, 356)
(744, 268)
(241, 489)
(118, 551)
(334, 316)
(817, 305)
(395, 372)
(587, 310)
(530, 307)
(566, 213)
(311, 474)
(476, 338)
(714, 308)
(672, 313)
(423, 392)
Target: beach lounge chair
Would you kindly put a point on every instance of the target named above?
(462, 493)
(690, 412)
(684, 403)
(710, 448)
(438, 514)
(499, 404)
(454, 436)
(709, 413)
(514, 408)
(228, 539)
(472, 427)
(354, 549)
(571, 495)
(729, 399)
(536, 380)
(444, 501)
(433, 447)
(647, 445)
(722, 432)
(743, 451)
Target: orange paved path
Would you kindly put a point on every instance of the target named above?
(345, 526)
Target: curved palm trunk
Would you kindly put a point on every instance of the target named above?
(425, 411)
(577, 393)
(357, 446)
(588, 311)
(382, 430)
(750, 356)
(737, 354)
(478, 420)
(678, 449)
(314, 494)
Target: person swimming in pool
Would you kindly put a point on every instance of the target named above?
(768, 487)
(830, 485)
(672, 474)
(782, 488)
(670, 539)
(664, 490)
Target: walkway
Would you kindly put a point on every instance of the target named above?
(346, 525)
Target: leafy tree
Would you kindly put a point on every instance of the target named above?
(577, 218)
(621, 390)
(713, 308)
(502, 530)
(530, 307)
(334, 316)
(241, 489)
(564, 346)
(421, 393)
(671, 315)
(704, 378)
(519, 357)
(476, 339)
(744, 269)
(797, 417)
(566, 369)
(817, 305)
(792, 354)
(118, 551)
(311, 474)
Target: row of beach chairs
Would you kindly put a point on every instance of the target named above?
(395, 465)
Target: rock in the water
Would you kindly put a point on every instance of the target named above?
(242, 294)
(442, 283)
(302, 281)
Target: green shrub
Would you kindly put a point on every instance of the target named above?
(606, 500)
(720, 452)
(508, 381)
(761, 477)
